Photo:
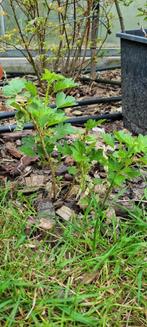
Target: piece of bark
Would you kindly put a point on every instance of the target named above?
(11, 149)
(17, 169)
(16, 135)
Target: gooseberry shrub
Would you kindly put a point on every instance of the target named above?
(47, 119)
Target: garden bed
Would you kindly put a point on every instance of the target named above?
(68, 261)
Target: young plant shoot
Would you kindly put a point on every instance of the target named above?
(23, 96)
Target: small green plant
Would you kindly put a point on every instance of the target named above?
(48, 121)
(124, 160)
(83, 152)
(120, 161)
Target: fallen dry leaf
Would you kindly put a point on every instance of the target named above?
(100, 189)
(77, 113)
(98, 130)
(88, 278)
(46, 224)
(69, 161)
(45, 204)
(35, 180)
(65, 212)
(73, 192)
(110, 214)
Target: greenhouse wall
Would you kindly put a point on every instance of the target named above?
(132, 21)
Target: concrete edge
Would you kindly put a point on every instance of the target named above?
(21, 65)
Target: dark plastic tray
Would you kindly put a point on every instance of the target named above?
(133, 35)
(134, 80)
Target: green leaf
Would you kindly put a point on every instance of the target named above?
(93, 123)
(62, 130)
(20, 124)
(145, 193)
(29, 146)
(22, 116)
(64, 84)
(63, 101)
(64, 149)
(72, 170)
(78, 317)
(130, 172)
(45, 116)
(27, 151)
(49, 118)
(36, 104)
(79, 151)
(49, 148)
(117, 179)
(15, 86)
(51, 77)
(91, 139)
(142, 143)
(99, 156)
(125, 138)
(56, 118)
(31, 88)
(109, 139)
(97, 181)
(120, 154)
(12, 102)
(139, 293)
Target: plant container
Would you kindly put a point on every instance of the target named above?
(134, 80)
(1, 72)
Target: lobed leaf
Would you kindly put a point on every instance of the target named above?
(15, 86)
(51, 77)
(63, 101)
(64, 84)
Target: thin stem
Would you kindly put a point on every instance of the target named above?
(30, 58)
(108, 193)
(120, 16)
(94, 35)
(46, 155)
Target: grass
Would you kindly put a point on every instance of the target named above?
(62, 280)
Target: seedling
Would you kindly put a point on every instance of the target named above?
(83, 152)
(120, 161)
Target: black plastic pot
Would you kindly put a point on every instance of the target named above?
(134, 80)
